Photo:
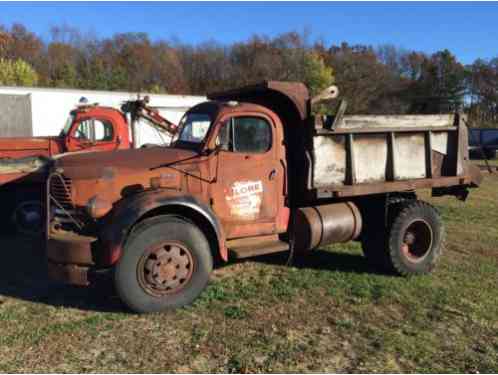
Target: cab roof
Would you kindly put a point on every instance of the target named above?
(289, 100)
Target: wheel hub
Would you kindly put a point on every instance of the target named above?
(28, 217)
(165, 268)
(165, 272)
(417, 241)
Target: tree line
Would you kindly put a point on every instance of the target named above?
(374, 79)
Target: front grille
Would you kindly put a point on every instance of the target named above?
(61, 191)
(63, 214)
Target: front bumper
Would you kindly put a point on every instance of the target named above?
(69, 273)
(71, 258)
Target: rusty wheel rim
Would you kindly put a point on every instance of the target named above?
(417, 240)
(165, 268)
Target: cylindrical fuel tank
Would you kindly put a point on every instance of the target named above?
(325, 224)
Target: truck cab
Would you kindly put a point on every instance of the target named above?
(245, 136)
(89, 128)
(252, 172)
(95, 128)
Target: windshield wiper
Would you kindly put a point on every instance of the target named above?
(172, 166)
(172, 163)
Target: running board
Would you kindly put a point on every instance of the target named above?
(251, 247)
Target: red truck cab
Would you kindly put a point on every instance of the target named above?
(23, 160)
(88, 128)
(95, 128)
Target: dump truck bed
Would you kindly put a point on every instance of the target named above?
(373, 154)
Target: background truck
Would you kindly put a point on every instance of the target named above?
(252, 172)
(483, 143)
(89, 127)
(41, 111)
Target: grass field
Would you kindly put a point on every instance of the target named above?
(492, 163)
(327, 313)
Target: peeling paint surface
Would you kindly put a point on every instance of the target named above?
(373, 161)
(245, 199)
(410, 156)
(370, 153)
(330, 161)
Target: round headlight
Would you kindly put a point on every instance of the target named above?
(98, 207)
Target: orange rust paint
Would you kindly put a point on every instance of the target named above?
(114, 255)
(248, 203)
(283, 219)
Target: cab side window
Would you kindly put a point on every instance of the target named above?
(94, 130)
(84, 131)
(245, 135)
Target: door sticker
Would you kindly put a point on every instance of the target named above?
(244, 199)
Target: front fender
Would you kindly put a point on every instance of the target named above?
(117, 225)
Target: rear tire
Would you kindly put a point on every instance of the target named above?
(411, 244)
(374, 237)
(416, 239)
(166, 264)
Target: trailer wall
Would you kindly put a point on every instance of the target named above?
(15, 116)
(49, 108)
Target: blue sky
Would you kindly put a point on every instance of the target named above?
(469, 30)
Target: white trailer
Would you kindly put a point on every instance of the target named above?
(33, 111)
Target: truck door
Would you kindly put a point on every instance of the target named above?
(92, 134)
(247, 195)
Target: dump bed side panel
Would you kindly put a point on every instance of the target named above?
(373, 159)
(388, 149)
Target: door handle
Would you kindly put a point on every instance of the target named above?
(272, 175)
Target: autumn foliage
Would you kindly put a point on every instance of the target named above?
(382, 79)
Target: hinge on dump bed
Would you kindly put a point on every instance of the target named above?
(460, 192)
(332, 122)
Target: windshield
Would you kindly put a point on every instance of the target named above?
(67, 125)
(193, 128)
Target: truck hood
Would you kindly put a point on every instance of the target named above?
(94, 164)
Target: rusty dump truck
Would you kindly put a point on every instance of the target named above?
(89, 127)
(253, 172)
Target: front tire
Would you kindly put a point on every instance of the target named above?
(28, 218)
(166, 264)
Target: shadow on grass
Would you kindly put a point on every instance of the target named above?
(23, 271)
(24, 276)
(321, 259)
